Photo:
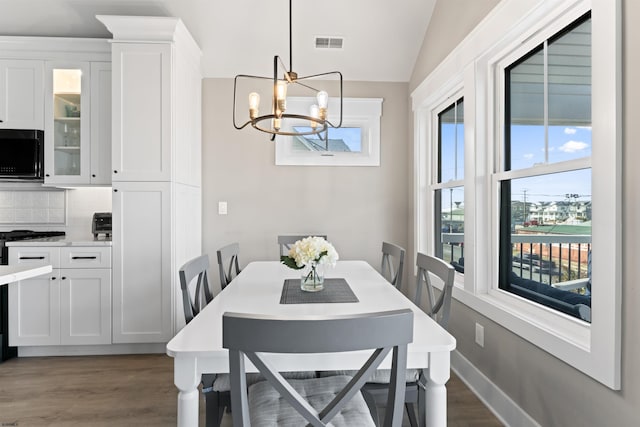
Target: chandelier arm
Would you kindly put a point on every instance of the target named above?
(235, 125)
(274, 100)
(290, 41)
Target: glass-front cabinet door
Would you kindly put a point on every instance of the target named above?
(67, 123)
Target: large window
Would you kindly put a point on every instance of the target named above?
(537, 173)
(448, 188)
(545, 215)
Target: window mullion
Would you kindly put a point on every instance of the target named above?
(545, 89)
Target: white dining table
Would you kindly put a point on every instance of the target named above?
(197, 348)
(15, 273)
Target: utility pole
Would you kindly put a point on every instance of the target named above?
(524, 209)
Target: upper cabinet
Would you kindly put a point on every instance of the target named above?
(142, 145)
(61, 86)
(68, 122)
(77, 123)
(21, 94)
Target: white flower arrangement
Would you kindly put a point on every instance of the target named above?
(311, 251)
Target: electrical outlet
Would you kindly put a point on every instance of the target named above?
(480, 335)
(222, 208)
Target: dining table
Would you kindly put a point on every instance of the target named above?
(261, 288)
(15, 273)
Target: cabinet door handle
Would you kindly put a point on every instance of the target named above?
(46, 174)
(53, 278)
(31, 257)
(84, 257)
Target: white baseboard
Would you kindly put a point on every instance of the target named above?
(502, 406)
(91, 350)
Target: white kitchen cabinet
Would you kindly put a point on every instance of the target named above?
(142, 262)
(142, 116)
(77, 123)
(21, 94)
(69, 306)
(100, 123)
(156, 178)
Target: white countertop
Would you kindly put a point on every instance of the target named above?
(14, 273)
(87, 240)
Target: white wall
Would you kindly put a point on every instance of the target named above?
(552, 392)
(357, 207)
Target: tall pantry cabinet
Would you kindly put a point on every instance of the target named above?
(156, 177)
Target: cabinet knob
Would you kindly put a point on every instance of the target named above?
(46, 174)
(93, 175)
(63, 278)
(115, 171)
(1, 120)
(115, 190)
(53, 278)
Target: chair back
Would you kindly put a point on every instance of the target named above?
(427, 265)
(392, 267)
(196, 268)
(286, 242)
(252, 335)
(228, 265)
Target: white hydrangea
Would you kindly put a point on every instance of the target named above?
(310, 251)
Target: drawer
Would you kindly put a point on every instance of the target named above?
(34, 256)
(85, 257)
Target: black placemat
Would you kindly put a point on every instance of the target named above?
(335, 290)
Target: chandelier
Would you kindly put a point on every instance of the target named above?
(279, 120)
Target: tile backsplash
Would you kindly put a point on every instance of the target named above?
(45, 207)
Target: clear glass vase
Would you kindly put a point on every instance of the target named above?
(312, 279)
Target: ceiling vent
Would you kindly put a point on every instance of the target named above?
(329, 42)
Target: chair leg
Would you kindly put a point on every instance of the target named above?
(214, 401)
(371, 403)
(213, 410)
(411, 413)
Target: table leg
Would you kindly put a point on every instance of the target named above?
(186, 378)
(436, 391)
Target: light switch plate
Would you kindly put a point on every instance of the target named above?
(222, 208)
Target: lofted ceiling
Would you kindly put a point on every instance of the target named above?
(381, 38)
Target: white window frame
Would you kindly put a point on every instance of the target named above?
(591, 348)
(363, 113)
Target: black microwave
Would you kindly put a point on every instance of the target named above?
(21, 155)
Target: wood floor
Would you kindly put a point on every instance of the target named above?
(133, 390)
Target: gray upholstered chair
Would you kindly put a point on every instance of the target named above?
(377, 388)
(392, 267)
(318, 401)
(196, 294)
(285, 242)
(228, 263)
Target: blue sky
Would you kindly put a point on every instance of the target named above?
(565, 143)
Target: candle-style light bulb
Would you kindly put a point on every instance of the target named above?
(254, 104)
(315, 113)
(323, 102)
